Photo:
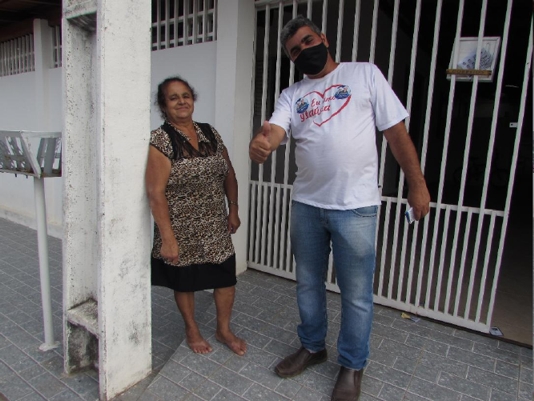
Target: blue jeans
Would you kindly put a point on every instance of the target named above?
(352, 235)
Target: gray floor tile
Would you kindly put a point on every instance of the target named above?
(497, 395)
(166, 390)
(526, 391)
(200, 364)
(432, 391)
(316, 382)
(260, 374)
(66, 396)
(225, 395)
(200, 386)
(30, 373)
(231, 381)
(500, 354)
(448, 365)
(526, 374)
(464, 386)
(493, 380)
(16, 359)
(34, 397)
(306, 394)
(398, 349)
(81, 383)
(371, 385)
(388, 375)
(288, 388)
(507, 369)
(175, 372)
(14, 388)
(391, 393)
(257, 392)
(47, 385)
(428, 345)
(471, 358)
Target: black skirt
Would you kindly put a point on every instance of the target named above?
(194, 277)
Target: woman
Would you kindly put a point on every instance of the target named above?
(188, 175)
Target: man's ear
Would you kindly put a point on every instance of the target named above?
(325, 40)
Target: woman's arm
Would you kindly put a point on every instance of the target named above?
(156, 177)
(230, 188)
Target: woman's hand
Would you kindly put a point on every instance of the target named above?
(233, 221)
(170, 251)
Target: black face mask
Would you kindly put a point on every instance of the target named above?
(312, 60)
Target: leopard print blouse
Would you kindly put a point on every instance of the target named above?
(195, 194)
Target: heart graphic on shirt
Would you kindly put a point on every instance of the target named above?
(342, 92)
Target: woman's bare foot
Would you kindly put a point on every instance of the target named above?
(236, 344)
(196, 342)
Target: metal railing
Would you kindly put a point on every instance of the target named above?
(183, 22)
(17, 56)
(56, 46)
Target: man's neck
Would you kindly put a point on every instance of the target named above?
(330, 66)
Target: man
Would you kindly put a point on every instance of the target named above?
(333, 114)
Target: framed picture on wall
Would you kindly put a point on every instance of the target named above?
(465, 57)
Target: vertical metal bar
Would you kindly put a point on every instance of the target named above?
(272, 222)
(355, 35)
(443, 251)
(384, 248)
(287, 196)
(521, 116)
(466, 160)
(474, 262)
(324, 19)
(176, 22)
(44, 271)
(339, 29)
(195, 22)
(414, 242)
(205, 22)
(32, 52)
(484, 276)
(261, 189)
(186, 23)
(214, 19)
(167, 23)
(253, 222)
(443, 158)
(309, 9)
(158, 24)
(373, 32)
(461, 272)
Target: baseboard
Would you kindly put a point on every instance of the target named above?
(54, 229)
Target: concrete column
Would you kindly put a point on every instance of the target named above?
(106, 58)
(80, 235)
(123, 131)
(234, 99)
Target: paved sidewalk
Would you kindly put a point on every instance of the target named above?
(409, 361)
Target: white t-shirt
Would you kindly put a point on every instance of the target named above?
(333, 120)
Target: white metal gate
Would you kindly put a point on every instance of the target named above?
(445, 267)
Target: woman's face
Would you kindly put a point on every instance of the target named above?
(179, 103)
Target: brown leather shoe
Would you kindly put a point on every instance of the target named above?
(348, 385)
(295, 364)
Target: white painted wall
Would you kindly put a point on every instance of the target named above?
(196, 64)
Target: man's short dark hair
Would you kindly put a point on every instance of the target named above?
(293, 26)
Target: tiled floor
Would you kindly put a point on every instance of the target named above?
(409, 361)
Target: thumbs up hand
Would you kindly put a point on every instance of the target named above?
(260, 146)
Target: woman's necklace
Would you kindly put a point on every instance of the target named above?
(181, 131)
